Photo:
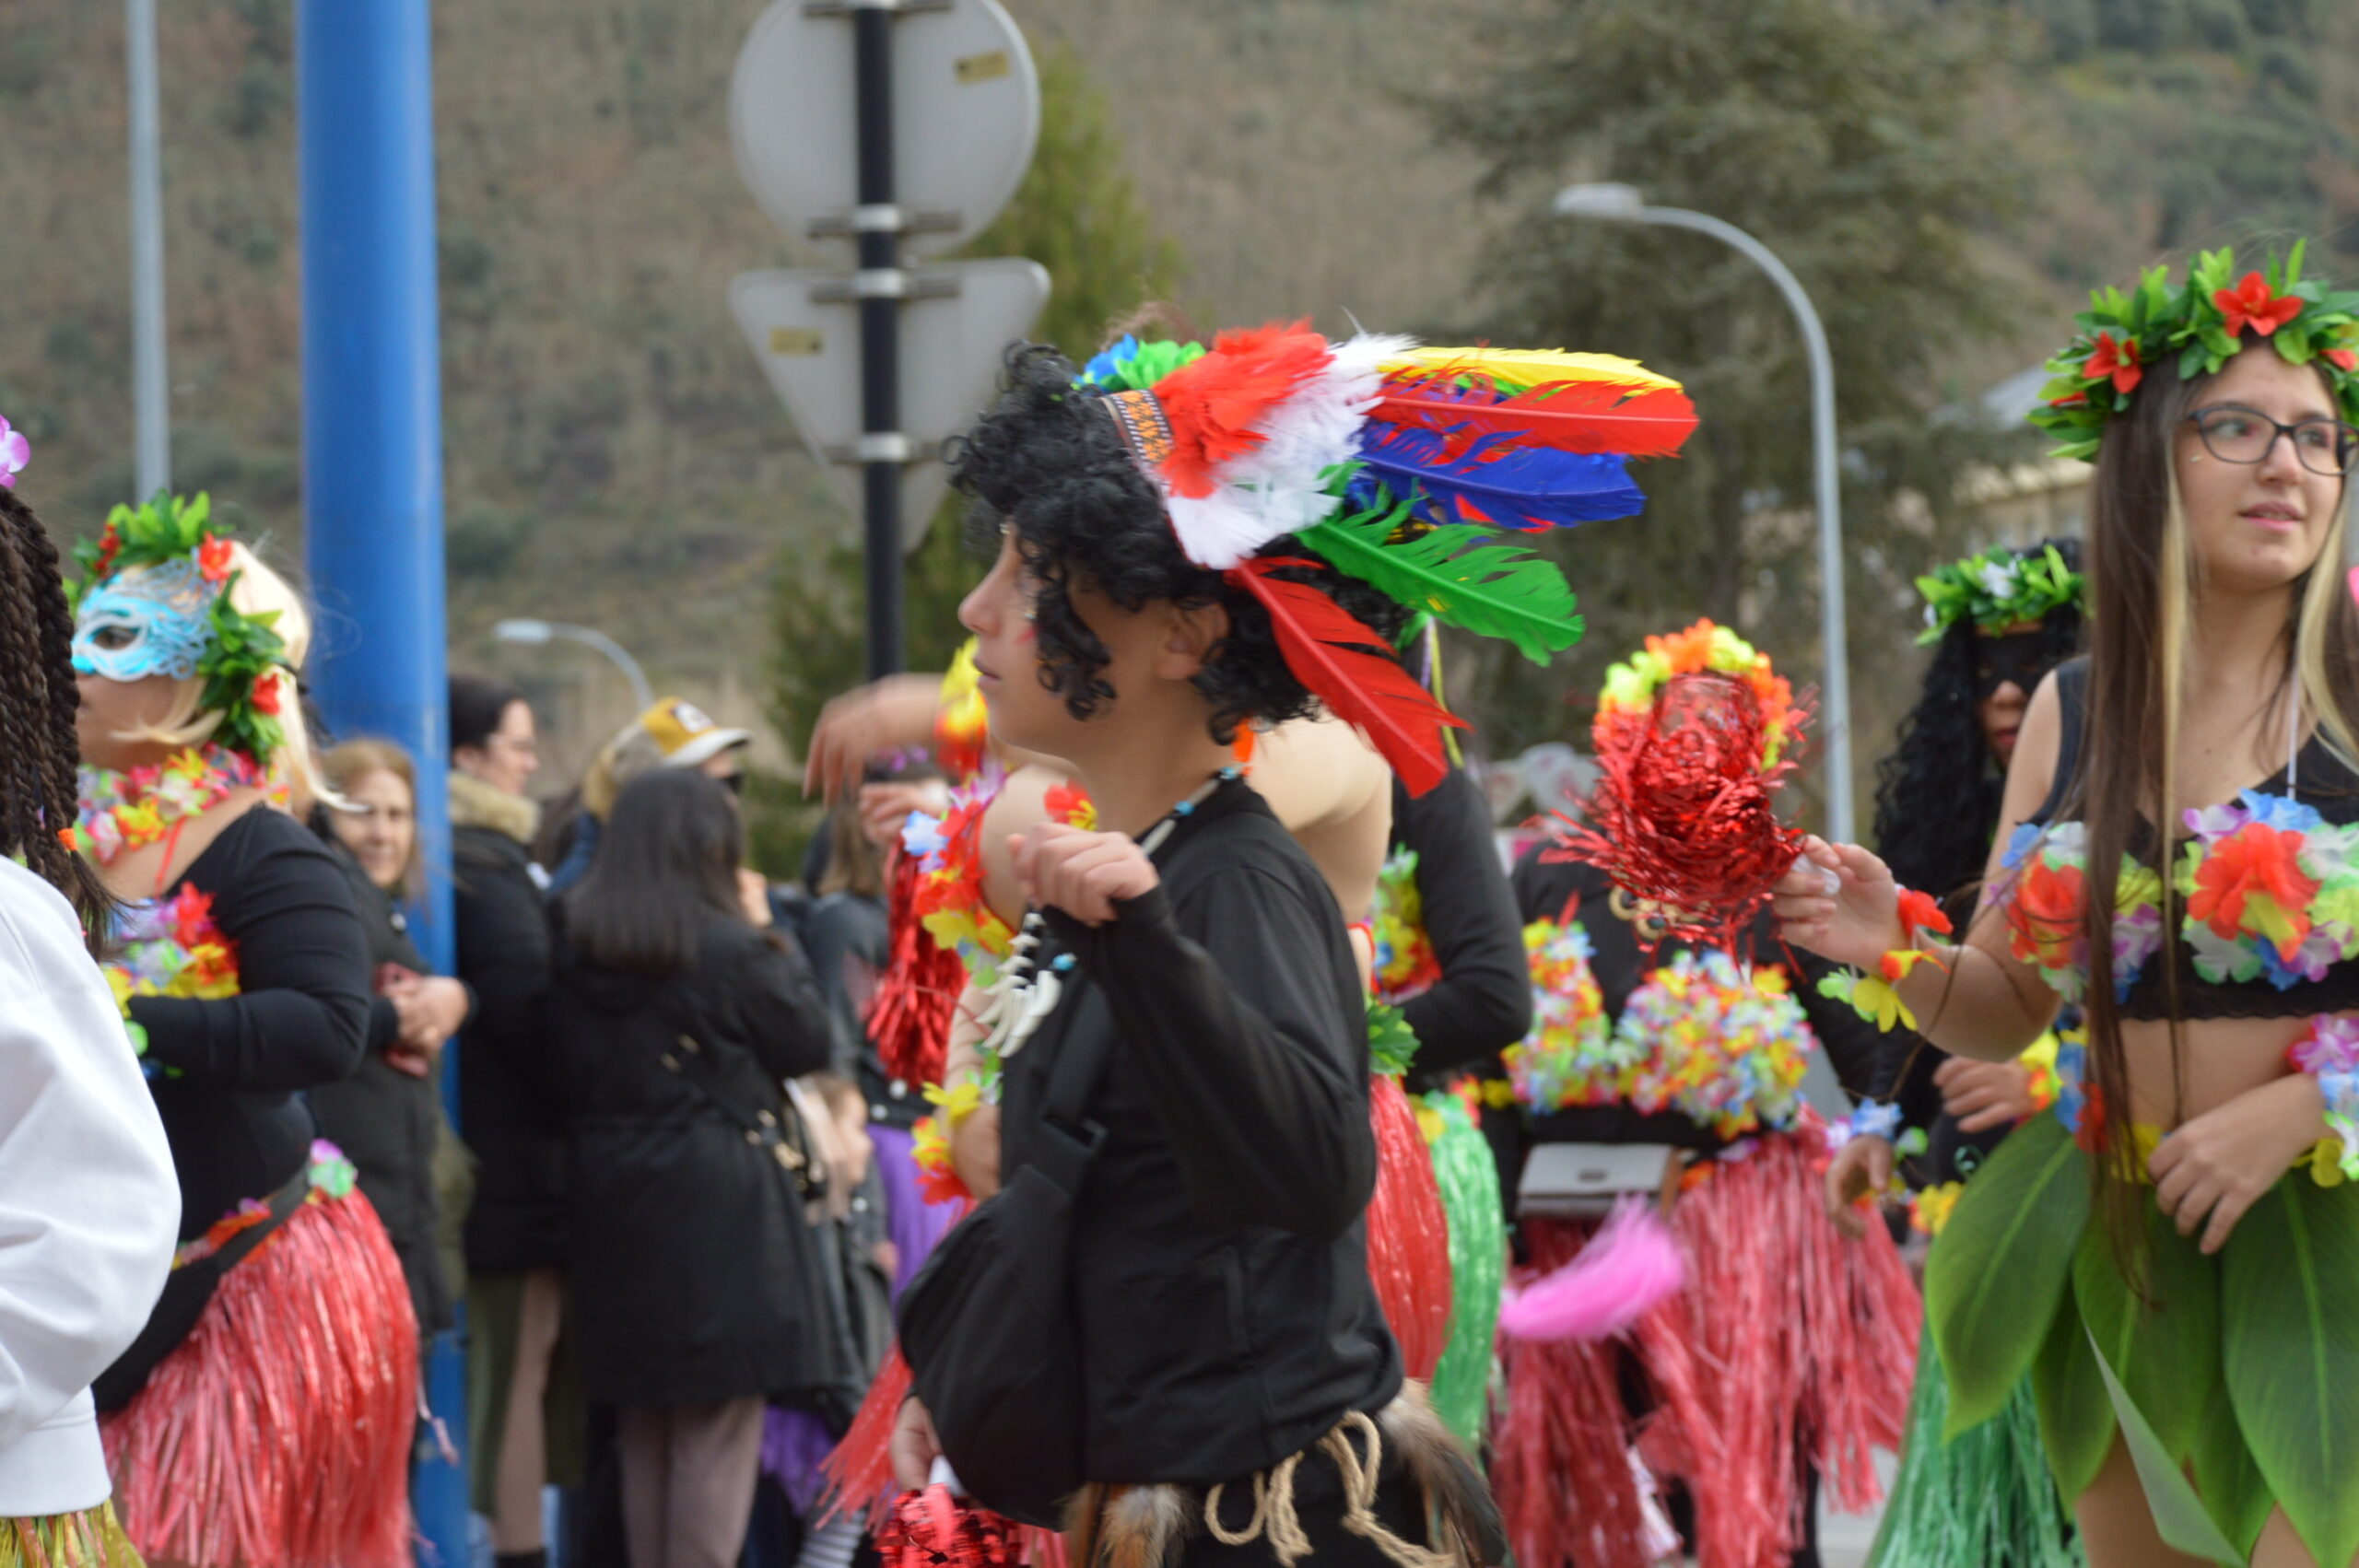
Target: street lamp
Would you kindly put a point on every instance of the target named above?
(539, 634)
(1623, 204)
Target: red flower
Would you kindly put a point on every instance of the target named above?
(110, 545)
(2070, 400)
(2090, 1134)
(2342, 360)
(1921, 911)
(2249, 303)
(213, 558)
(2116, 360)
(2044, 913)
(266, 694)
(1067, 804)
(2255, 858)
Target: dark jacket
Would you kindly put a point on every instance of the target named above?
(1481, 1004)
(696, 1277)
(518, 1222)
(387, 1122)
(1219, 1248)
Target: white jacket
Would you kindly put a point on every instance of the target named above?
(89, 1207)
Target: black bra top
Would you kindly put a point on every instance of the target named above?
(2323, 783)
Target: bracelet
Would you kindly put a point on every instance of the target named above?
(2039, 1060)
(1875, 997)
(2330, 1053)
(1872, 1118)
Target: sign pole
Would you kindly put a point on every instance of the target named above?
(880, 284)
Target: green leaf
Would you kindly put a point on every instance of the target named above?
(2180, 1517)
(2234, 1492)
(1491, 589)
(1996, 1273)
(2289, 1276)
(2164, 1349)
(1392, 1043)
(2076, 1425)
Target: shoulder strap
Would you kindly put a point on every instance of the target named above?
(2072, 711)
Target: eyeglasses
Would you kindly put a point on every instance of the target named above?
(2234, 434)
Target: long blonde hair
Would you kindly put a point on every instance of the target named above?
(256, 590)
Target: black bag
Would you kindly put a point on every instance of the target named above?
(988, 1324)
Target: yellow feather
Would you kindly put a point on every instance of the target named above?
(1534, 366)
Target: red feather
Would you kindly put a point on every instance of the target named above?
(1214, 402)
(1580, 417)
(1347, 666)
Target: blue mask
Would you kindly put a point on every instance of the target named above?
(146, 621)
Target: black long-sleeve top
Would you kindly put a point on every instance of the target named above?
(1547, 889)
(299, 1020)
(1220, 1266)
(1481, 1004)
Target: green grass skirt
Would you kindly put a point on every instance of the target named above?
(90, 1538)
(2245, 1364)
(1982, 1500)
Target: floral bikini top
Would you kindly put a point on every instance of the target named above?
(2267, 889)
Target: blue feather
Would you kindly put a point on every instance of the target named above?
(1524, 487)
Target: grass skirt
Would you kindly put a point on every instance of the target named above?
(1983, 1500)
(1789, 1344)
(278, 1435)
(92, 1538)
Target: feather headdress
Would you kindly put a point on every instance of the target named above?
(1394, 463)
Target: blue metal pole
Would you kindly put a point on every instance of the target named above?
(372, 478)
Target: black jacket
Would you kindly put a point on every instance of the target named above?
(1481, 1004)
(696, 1276)
(387, 1122)
(1550, 889)
(518, 1222)
(1220, 1256)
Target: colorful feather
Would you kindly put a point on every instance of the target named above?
(1347, 666)
(1630, 1267)
(1488, 588)
(1519, 369)
(1580, 417)
(1492, 481)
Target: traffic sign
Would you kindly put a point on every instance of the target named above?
(966, 112)
(957, 319)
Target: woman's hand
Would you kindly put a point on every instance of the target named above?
(1984, 1095)
(754, 896)
(429, 1009)
(886, 715)
(1084, 874)
(1840, 902)
(885, 807)
(914, 1446)
(2218, 1165)
(1860, 1173)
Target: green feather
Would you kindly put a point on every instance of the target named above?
(1490, 589)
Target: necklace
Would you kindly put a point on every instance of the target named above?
(126, 810)
(1024, 994)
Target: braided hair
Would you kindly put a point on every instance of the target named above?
(40, 793)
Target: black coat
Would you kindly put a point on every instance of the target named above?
(696, 1276)
(518, 1221)
(387, 1122)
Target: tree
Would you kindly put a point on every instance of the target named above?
(1836, 133)
(1078, 214)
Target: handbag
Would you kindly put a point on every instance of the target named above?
(987, 1325)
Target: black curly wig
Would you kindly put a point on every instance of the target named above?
(1938, 793)
(1049, 463)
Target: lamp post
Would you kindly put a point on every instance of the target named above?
(539, 634)
(1623, 204)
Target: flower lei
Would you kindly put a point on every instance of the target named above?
(1570, 1056)
(2272, 890)
(1632, 688)
(128, 810)
(1405, 962)
(329, 1175)
(950, 906)
(169, 947)
(1721, 1045)
(2042, 889)
(2203, 322)
(1998, 589)
(962, 720)
(2330, 1053)
(1876, 997)
(246, 676)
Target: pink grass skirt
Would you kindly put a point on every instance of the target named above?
(278, 1435)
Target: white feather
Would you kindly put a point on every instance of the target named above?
(1279, 487)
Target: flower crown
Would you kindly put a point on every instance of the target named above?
(1998, 589)
(246, 673)
(1395, 464)
(1632, 688)
(2203, 321)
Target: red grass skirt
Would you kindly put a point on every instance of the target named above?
(1787, 1343)
(278, 1435)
